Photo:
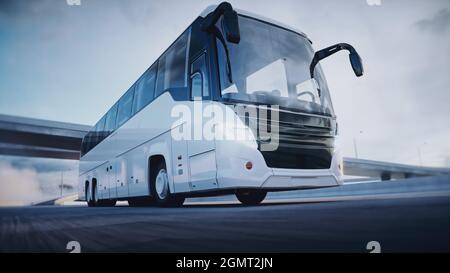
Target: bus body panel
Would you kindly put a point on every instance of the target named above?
(180, 170)
(128, 149)
(201, 149)
(137, 167)
(103, 183)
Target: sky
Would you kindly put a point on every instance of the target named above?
(71, 63)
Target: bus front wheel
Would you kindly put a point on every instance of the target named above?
(161, 191)
(250, 197)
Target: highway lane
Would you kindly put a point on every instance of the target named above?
(414, 224)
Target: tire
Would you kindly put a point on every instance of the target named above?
(159, 186)
(90, 199)
(140, 202)
(251, 197)
(95, 199)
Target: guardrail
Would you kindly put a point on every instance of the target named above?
(388, 170)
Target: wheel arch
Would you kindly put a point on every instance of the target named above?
(153, 163)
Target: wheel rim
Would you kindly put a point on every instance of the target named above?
(162, 184)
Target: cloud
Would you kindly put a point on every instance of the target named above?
(41, 165)
(439, 23)
(18, 186)
(22, 185)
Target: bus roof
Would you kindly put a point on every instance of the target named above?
(211, 8)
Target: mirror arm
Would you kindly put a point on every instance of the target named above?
(212, 18)
(219, 36)
(326, 52)
(209, 25)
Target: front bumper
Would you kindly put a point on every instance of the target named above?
(300, 179)
(231, 172)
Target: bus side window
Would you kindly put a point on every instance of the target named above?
(199, 66)
(172, 66)
(84, 146)
(196, 86)
(125, 104)
(110, 125)
(145, 89)
(89, 141)
(99, 127)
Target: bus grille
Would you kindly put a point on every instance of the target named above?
(304, 142)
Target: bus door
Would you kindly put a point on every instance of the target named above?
(201, 148)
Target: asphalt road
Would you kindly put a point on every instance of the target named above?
(414, 224)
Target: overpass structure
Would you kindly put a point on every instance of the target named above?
(40, 138)
(21, 136)
(388, 170)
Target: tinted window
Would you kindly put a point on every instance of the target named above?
(84, 146)
(110, 124)
(199, 66)
(90, 138)
(125, 104)
(94, 137)
(172, 66)
(100, 130)
(145, 89)
(196, 86)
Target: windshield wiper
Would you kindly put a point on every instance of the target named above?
(219, 36)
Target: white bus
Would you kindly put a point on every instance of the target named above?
(225, 60)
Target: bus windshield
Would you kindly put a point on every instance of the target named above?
(270, 65)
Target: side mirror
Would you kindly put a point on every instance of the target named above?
(231, 26)
(230, 22)
(356, 63)
(355, 59)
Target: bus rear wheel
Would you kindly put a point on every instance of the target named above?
(91, 195)
(251, 197)
(161, 191)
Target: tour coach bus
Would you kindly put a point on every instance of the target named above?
(226, 63)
